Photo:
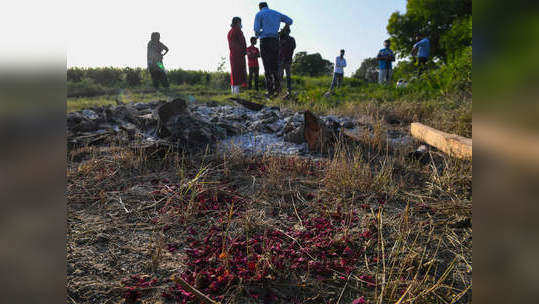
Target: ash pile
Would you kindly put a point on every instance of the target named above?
(250, 127)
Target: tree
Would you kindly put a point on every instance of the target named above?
(433, 18)
(311, 65)
(367, 69)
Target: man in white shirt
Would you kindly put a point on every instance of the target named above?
(340, 64)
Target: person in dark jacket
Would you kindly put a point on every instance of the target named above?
(287, 45)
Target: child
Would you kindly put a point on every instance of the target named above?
(287, 45)
(253, 54)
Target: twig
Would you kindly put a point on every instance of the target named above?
(202, 297)
(344, 288)
(383, 255)
(123, 205)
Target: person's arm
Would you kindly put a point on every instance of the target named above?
(164, 48)
(258, 25)
(286, 19)
(392, 57)
(414, 50)
(417, 46)
(344, 63)
(293, 44)
(243, 43)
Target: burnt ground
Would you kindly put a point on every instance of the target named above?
(364, 223)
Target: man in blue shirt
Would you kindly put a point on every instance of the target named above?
(421, 50)
(385, 58)
(338, 75)
(267, 24)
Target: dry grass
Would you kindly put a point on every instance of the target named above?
(365, 222)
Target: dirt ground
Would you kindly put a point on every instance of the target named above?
(365, 224)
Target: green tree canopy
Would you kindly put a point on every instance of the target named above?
(436, 19)
(367, 69)
(311, 65)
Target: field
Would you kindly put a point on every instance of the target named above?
(365, 224)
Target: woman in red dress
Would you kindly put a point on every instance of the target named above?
(238, 49)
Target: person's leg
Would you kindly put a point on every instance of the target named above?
(381, 76)
(275, 65)
(389, 75)
(288, 77)
(422, 61)
(339, 80)
(155, 78)
(256, 72)
(281, 71)
(164, 79)
(264, 53)
(333, 82)
(250, 79)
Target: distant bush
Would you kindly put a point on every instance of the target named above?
(133, 77)
(219, 80)
(75, 74)
(180, 76)
(86, 88)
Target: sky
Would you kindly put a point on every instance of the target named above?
(115, 33)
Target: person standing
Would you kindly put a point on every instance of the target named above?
(252, 55)
(385, 63)
(155, 61)
(287, 45)
(421, 50)
(238, 50)
(340, 64)
(266, 27)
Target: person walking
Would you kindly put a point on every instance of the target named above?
(155, 61)
(340, 64)
(266, 27)
(252, 55)
(238, 50)
(421, 51)
(385, 63)
(287, 45)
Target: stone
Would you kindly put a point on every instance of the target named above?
(89, 114)
(124, 113)
(347, 124)
(171, 109)
(77, 122)
(212, 104)
(140, 106)
(276, 126)
(186, 129)
(295, 136)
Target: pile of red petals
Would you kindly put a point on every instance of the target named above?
(216, 261)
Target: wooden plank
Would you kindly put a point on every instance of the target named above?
(451, 144)
(249, 105)
(316, 133)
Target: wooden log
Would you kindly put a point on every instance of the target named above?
(454, 145)
(249, 105)
(316, 133)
